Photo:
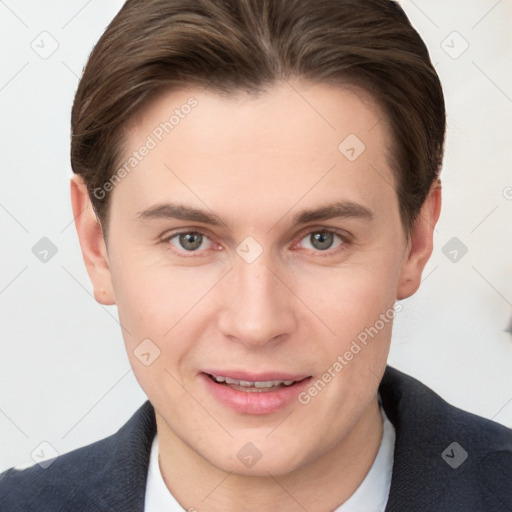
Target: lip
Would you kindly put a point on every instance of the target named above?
(256, 403)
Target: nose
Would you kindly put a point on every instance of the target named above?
(257, 308)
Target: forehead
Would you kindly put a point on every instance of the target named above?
(322, 111)
(294, 139)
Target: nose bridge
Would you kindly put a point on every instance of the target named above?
(257, 307)
(256, 283)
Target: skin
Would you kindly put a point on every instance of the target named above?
(256, 162)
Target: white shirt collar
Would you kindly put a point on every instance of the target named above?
(371, 495)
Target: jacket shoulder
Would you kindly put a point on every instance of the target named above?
(108, 474)
(56, 479)
(445, 458)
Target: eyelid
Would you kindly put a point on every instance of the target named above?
(171, 233)
(166, 239)
(345, 237)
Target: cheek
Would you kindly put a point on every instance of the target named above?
(150, 303)
(163, 303)
(357, 303)
(350, 298)
(153, 295)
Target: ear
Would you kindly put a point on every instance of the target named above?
(421, 243)
(94, 250)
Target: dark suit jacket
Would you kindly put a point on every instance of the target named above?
(429, 472)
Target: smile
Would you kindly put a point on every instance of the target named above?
(252, 386)
(254, 394)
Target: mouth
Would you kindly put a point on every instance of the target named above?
(254, 394)
(253, 386)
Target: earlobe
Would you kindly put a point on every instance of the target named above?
(421, 243)
(92, 243)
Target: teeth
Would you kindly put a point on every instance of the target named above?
(257, 384)
(264, 384)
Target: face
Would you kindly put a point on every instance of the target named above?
(255, 253)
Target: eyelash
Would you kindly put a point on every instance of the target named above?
(346, 240)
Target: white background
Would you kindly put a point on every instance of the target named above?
(65, 377)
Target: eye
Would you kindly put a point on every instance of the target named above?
(322, 240)
(189, 241)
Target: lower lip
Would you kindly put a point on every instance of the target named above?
(254, 402)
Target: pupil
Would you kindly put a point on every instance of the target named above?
(190, 241)
(322, 241)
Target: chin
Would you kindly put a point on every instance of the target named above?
(249, 460)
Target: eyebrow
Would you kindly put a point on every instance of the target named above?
(339, 209)
(179, 211)
(342, 209)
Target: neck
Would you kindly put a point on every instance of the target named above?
(323, 484)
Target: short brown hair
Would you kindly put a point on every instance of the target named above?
(247, 45)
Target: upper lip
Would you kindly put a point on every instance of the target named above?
(256, 377)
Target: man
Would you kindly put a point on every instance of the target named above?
(257, 184)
